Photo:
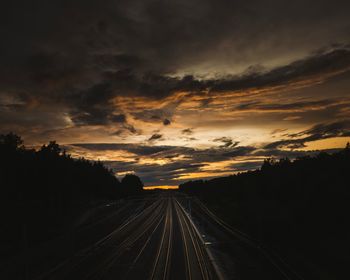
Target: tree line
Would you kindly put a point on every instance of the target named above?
(298, 207)
(42, 191)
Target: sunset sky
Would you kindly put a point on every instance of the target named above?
(177, 90)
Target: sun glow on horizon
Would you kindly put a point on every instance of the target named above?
(164, 187)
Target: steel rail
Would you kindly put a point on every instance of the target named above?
(160, 247)
(128, 242)
(168, 254)
(83, 254)
(185, 245)
(142, 249)
(211, 258)
(199, 255)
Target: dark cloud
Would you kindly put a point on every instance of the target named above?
(316, 65)
(317, 132)
(187, 131)
(155, 136)
(140, 150)
(154, 174)
(198, 155)
(192, 155)
(244, 166)
(166, 122)
(156, 115)
(327, 130)
(91, 106)
(206, 102)
(278, 130)
(189, 139)
(192, 161)
(120, 118)
(112, 62)
(105, 49)
(130, 128)
(296, 106)
(239, 151)
(126, 129)
(227, 142)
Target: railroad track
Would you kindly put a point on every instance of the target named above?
(162, 261)
(105, 249)
(193, 248)
(158, 243)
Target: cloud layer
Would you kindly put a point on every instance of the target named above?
(193, 84)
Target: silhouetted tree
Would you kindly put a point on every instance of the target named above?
(267, 164)
(52, 148)
(48, 189)
(11, 142)
(131, 184)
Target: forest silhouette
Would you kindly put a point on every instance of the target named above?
(44, 191)
(299, 208)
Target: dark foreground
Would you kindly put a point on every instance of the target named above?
(161, 236)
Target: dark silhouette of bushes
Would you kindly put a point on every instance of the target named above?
(43, 191)
(298, 207)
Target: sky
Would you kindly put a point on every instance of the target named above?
(177, 90)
